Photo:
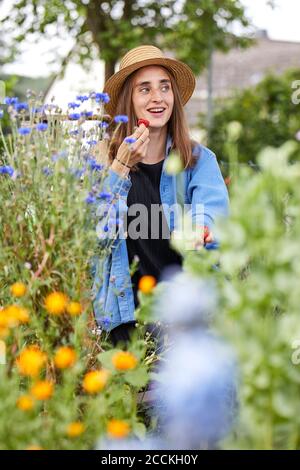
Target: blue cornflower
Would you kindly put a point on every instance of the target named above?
(47, 171)
(121, 118)
(21, 106)
(90, 199)
(94, 166)
(24, 130)
(74, 116)
(102, 97)
(106, 322)
(104, 125)
(79, 172)
(104, 195)
(1, 113)
(130, 140)
(74, 132)
(91, 142)
(87, 113)
(6, 170)
(42, 126)
(38, 110)
(73, 105)
(105, 228)
(82, 98)
(11, 101)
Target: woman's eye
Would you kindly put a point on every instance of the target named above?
(146, 89)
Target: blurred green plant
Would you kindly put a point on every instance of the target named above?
(267, 114)
(257, 273)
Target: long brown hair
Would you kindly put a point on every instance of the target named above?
(177, 125)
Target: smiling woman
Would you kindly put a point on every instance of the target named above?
(151, 87)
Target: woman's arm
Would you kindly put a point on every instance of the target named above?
(207, 191)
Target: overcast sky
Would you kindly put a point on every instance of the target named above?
(281, 23)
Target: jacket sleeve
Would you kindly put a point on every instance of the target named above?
(110, 212)
(207, 191)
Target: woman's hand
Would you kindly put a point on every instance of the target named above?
(208, 235)
(130, 154)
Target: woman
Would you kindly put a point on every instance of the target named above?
(154, 88)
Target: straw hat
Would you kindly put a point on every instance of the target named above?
(140, 57)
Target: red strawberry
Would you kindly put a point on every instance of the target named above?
(144, 121)
(206, 232)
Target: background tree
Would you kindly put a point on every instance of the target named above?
(190, 28)
(267, 114)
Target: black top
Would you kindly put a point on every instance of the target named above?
(149, 240)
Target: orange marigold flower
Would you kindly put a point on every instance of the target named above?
(118, 428)
(146, 284)
(74, 308)
(25, 403)
(56, 303)
(95, 381)
(4, 332)
(18, 289)
(30, 361)
(42, 390)
(75, 429)
(17, 314)
(65, 357)
(8, 317)
(124, 360)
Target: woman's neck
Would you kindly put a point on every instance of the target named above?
(157, 145)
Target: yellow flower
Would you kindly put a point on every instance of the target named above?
(65, 357)
(7, 317)
(25, 403)
(17, 314)
(74, 308)
(42, 390)
(124, 360)
(56, 303)
(30, 361)
(146, 284)
(34, 447)
(117, 428)
(95, 381)
(4, 332)
(75, 429)
(18, 289)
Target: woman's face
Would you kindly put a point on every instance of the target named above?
(152, 95)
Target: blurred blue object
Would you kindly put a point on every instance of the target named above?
(196, 398)
(212, 246)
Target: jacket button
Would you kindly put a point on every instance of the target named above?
(122, 294)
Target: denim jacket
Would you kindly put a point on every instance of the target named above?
(202, 188)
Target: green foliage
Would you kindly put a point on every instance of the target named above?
(115, 26)
(258, 277)
(204, 26)
(266, 112)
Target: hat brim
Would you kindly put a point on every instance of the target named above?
(183, 75)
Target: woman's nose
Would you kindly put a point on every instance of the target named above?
(156, 95)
